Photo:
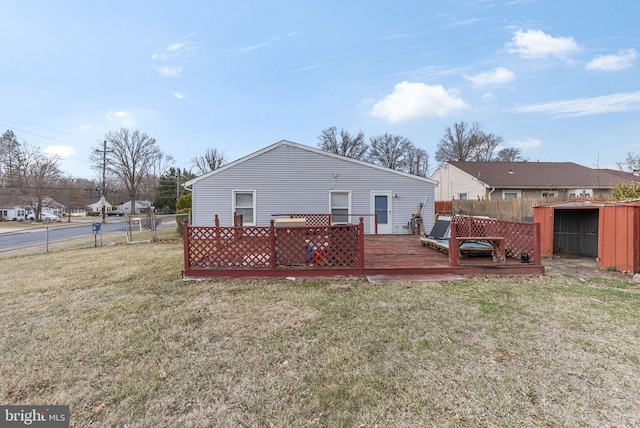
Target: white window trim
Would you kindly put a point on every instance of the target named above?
(517, 192)
(466, 196)
(233, 204)
(348, 192)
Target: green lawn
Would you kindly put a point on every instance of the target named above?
(116, 334)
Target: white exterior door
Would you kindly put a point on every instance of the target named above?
(381, 205)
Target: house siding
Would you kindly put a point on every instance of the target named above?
(292, 179)
(452, 181)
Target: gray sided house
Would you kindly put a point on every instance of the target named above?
(290, 178)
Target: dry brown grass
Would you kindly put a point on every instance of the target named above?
(116, 334)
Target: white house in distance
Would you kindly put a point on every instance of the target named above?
(96, 205)
(139, 207)
(291, 178)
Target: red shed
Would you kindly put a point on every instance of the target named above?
(606, 230)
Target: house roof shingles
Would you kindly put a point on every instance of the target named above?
(550, 175)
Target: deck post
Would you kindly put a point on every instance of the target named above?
(361, 243)
(185, 243)
(375, 220)
(453, 246)
(272, 244)
(537, 247)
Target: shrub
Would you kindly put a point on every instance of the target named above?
(179, 219)
(184, 202)
(624, 191)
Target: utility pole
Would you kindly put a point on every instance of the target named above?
(104, 178)
(177, 184)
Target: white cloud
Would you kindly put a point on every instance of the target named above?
(268, 42)
(180, 95)
(620, 102)
(624, 59)
(123, 118)
(59, 150)
(169, 70)
(174, 47)
(538, 44)
(177, 52)
(499, 76)
(414, 100)
(529, 143)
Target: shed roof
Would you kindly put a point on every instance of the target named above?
(580, 203)
(542, 174)
(309, 149)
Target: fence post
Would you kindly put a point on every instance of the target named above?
(272, 245)
(453, 246)
(375, 219)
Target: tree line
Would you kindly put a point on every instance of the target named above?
(460, 142)
(129, 164)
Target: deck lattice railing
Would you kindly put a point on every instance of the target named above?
(316, 220)
(520, 237)
(250, 247)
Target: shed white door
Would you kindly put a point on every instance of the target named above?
(381, 205)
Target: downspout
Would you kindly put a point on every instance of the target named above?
(490, 192)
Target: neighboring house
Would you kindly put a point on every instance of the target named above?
(13, 213)
(507, 180)
(19, 208)
(96, 204)
(52, 206)
(141, 206)
(290, 178)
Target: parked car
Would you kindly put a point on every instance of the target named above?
(43, 217)
(115, 213)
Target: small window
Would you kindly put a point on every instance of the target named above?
(510, 194)
(244, 204)
(463, 196)
(339, 206)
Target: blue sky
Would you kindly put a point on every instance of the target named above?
(558, 79)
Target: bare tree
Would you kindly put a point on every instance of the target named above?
(150, 184)
(343, 144)
(419, 161)
(457, 142)
(510, 154)
(71, 193)
(128, 156)
(391, 151)
(484, 146)
(34, 174)
(210, 161)
(631, 163)
(464, 142)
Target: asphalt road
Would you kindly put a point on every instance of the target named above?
(59, 232)
(38, 236)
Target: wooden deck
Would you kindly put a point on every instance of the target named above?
(404, 255)
(393, 255)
